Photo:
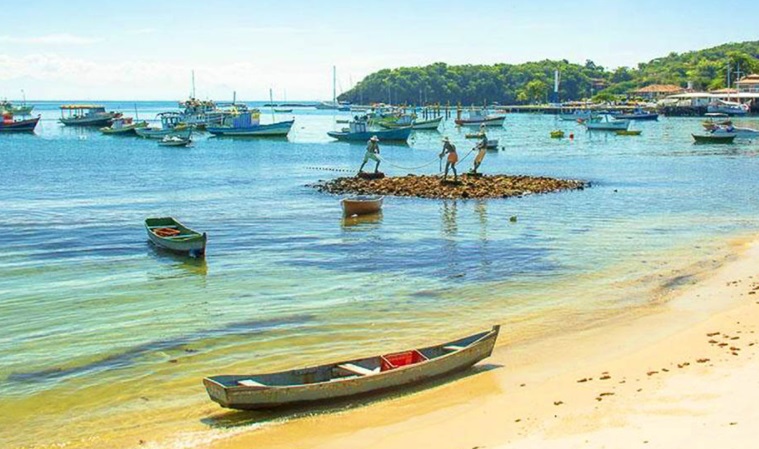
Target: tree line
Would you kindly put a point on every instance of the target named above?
(532, 82)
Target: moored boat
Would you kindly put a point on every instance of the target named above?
(738, 131)
(477, 118)
(283, 110)
(170, 234)
(87, 115)
(637, 114)
(175, 141)
(247, 124)
(357, 131)
(628, 132)
(8, 124)
(727, 107)
(607, 124)
(714, 138)
(414, 123)
(7, 106)
(557, 134)
(361, 205)
(171, 125)
(350, 378)
(123, 126)
(577, 114)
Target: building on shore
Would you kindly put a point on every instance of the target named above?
(748, 84)
(655, 92)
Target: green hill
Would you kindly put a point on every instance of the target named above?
(532, 82)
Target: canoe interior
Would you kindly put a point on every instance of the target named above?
(347, 369)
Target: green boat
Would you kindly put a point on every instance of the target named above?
(170, 234)
(123, 126)
(714, 138)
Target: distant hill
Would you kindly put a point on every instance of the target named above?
(532, 82)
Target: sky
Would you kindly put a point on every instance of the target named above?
(147, 50)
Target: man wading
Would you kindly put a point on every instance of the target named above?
(372, 152)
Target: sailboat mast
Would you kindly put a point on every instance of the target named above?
(334, 83)
(193, 84)
(271, 102)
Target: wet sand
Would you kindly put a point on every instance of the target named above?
(682, 374)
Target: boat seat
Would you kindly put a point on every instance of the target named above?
(355, 369)
(181, 236)
(163, 226)
(454, 348)
(251, 383)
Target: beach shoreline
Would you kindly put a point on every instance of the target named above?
(662, 379)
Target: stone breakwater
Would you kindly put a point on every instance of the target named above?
(495, 186)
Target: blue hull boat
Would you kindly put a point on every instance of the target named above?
(247, 125)
(399, 134)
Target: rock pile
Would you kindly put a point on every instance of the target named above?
(496, 186)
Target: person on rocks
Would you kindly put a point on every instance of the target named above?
(450, 150)
(372, 152)
(482, 149)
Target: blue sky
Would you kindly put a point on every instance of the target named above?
(78, 49)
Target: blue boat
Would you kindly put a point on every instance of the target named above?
(358, 132)
(7, 124)
(637, 114)
(247, 124)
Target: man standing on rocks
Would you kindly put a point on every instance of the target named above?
(372, 152)
(450, 149)
(482, 147)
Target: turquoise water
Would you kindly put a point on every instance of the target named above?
(94, 316)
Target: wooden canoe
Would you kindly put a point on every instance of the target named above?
(714, 138)
(349, 378)
(361, 205)
(168, 233)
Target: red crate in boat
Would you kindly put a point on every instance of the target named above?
(399, 359)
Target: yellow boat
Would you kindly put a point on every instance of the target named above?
(558, 134)
(626, 132)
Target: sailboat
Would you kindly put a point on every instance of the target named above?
(334, 105)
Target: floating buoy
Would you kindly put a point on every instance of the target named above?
(513, 219)
(571, 136)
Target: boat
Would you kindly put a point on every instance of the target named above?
(357, 131)
(727, 107)
(477, 118)
(170, 234)
(607, 124)
(738, 131)
(637, 114)
(171, 125)
(712, 138)
(491, 144)
(283, 110)
(87, 115)
(414, 123)
(558, 134)
(474, 135)
(628, 132)
(341, 380)
(361, 205)
(123, 126)
(7, 106)
(577, 114)
(247, 124)
(9, 125)
(174, 141)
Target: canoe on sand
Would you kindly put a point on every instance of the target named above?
(350, 378)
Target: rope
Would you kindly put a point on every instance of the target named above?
(405, 168)
(346, 170)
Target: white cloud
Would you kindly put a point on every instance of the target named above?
(49, 39)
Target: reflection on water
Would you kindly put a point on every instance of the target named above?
(368, 222)
(448, 214)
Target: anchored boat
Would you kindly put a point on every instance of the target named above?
(714, 138)
(607, 124)
(361, 205)
(170, 234)
(247, 124)
(7, 124)
(171, 125)
(357, 131)
(350, 378)
(477, 118)
(7, 106)
(87, 115)
(637, 114)
(123, 126)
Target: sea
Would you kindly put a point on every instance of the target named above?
(106, 338)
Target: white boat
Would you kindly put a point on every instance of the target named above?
(577, 114)
(727, 107)
(171, 125)
(607, 124)
(739, 132)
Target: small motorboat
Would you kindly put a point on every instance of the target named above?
(283, 110)
(413, 122)
(739, 132)
(361, 205)
(477, 118)
(474, 135)
(358, 131)
(558, 134)
(171, 125)
(637, 114)
(491, 144)
(175, 141)
(170, 234)
(714, 138)
(341, 380)
(123, 126)
(627, 132)
(607, 124)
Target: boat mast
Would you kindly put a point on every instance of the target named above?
(334, 82)
(271, 102)
(23, 95)
(193, 84)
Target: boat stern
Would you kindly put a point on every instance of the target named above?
(216, 391)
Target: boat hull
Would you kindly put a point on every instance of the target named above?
(227, 391)
(19, 126)
(124, 131)
(187, 242)
(608, 126)
(489, 121)
(88, 121)
(361, 205)
(740, 133)
(397, 135)
(153, 133)
(270, 130)
(647, 116)
(722, 139)
(424, 124)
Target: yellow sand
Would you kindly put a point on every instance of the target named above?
(659, 381)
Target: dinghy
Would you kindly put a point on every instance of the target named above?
(170, 234)
(361, 205)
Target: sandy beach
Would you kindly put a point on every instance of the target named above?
(680, 374)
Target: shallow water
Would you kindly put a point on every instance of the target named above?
(107, 338)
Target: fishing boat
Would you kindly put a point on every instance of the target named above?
(357, 131)
(7, 106)
(9, 125)
(607, 124)
(247, 124)
(738, 131)
(200, 113)
(558, 134)
(637, 114)
(413, 122)
(123, 126)
(628, 132)
(361, 205)
(577, 114)
(474, 135)
(174, 141)
(478, 117)
(87, 115)
(283, 110)
(170, 234)
(712, 138)
(171, 125)
(341, 380)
